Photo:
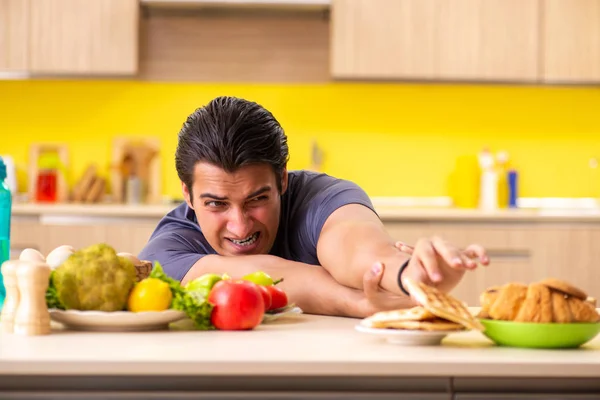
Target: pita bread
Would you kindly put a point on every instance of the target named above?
(442, 304)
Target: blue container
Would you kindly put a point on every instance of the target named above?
(5, 212)
(513, 186)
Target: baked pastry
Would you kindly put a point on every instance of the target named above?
(442, 304)
(565, 287)
(561, 311)
(437, 311)
(488, 298)
(582, 311)
(509, 301)
(416, 318)
(438, 324)
(547, 301)
(537, 306)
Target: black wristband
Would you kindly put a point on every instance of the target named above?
(402, 268)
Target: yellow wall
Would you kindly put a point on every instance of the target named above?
(393, 139)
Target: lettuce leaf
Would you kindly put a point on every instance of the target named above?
(52, 300)
(191, 302)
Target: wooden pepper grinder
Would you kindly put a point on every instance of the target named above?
(11, 302)
(32, 317)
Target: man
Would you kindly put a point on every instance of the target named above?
(244, 212)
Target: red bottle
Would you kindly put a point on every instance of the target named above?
(46, 186)
(47, 179)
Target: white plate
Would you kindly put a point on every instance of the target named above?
(116, 321)
(406, 337)
(289, 310)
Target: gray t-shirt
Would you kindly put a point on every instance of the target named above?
(177, 243)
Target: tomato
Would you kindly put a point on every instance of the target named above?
(278, 297)
(266, 296)
(238, 305)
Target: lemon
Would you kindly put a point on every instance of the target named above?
(150, 294)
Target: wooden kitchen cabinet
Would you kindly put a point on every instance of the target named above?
(84, 37)
(511, 246)
(495, 40)
(383, 39)
(24, 233)
(131, 237)
(487, 40)
(14, 24)
(571, 41)
(45, 233)
(520, 252)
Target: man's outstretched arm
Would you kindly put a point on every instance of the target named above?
(311, 287)
(353, 239)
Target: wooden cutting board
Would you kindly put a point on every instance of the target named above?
(149, 171)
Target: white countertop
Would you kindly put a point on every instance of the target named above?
(300, 346)
(386, 211)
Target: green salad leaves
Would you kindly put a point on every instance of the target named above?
(192, 303)
(52, 300)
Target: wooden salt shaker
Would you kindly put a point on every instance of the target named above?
(32, 317)
(11, 302)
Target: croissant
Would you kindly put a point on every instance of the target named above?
(550, 300)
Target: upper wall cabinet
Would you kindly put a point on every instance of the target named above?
(84, 37)
(383, 39)
(13, 35)
(571, 40)
(487, 40)
(494, 40)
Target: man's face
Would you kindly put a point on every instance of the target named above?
(238, 212)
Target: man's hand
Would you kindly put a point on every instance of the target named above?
(375, 299)
(438, 263)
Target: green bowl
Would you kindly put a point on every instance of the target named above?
(539, 336)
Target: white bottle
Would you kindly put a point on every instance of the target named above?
(488, 188)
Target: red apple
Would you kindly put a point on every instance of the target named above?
(238, 305)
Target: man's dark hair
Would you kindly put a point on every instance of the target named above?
(231, 133)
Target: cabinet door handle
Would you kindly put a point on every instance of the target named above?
(512, 254)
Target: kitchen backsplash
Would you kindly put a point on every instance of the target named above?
(393, 139)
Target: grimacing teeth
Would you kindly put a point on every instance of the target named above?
(251, 239)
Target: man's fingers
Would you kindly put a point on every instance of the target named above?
(451, 255)
(477, 251)
(427, 258)
(371, 279)
(403, 247)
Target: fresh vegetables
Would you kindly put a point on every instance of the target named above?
(151, 294)
(259, 277)
(52, 300)
(203, 284)
(193, 303)
(238, 305)
(279, 298)
(97, 278)
(94, 278)
(266, 296)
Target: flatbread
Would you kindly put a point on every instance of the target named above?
(433, 325)
(442, 304)
(383, 319)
